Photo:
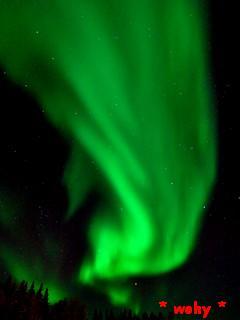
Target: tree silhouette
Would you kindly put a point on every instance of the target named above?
(21, 302)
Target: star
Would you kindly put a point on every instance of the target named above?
(163, 304)
(222, 304)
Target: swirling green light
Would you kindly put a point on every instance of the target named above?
(127, 83)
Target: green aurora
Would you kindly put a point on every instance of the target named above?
(127, 83)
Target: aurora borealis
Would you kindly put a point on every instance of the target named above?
(127, 84)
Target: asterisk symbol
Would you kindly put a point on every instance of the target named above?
(222, 304)
(163, 304)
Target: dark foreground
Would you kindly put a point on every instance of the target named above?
(24, 302)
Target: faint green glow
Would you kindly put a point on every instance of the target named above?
(31, 270)
(8, 209)
(127, 83)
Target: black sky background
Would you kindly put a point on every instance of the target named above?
(33, 156)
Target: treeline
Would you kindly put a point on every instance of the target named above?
(24, 302)
(128, 315)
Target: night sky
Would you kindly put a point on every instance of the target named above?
(32, 162)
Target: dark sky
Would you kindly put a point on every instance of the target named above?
(33, 157)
